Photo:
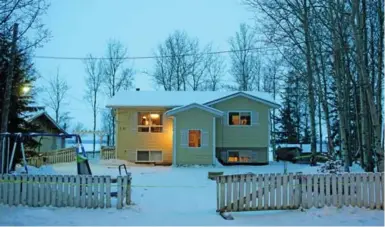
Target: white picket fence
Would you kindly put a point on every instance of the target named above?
(84, 191)
(60, 156)
(249, 192)
(107, 153)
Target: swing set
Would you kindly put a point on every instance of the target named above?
(7, 156)
(83, 167)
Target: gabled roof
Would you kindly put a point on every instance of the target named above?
(38, 114)
(192, 106)
(180, 98)
(270, 103)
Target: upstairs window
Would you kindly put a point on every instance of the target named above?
(150, 122)
(239, 118)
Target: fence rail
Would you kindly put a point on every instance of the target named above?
(82, 191)
(53, 157)
(107, 153)
(291, 191)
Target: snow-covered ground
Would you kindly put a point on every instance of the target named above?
(180, 196)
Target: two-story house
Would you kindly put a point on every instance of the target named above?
(192, 127)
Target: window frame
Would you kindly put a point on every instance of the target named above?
(239, 112)
(239, 155)
(188, 138)
(149, 155)
(150, 126)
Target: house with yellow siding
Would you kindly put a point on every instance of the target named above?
(192, 127)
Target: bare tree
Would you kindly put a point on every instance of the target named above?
(215, 72)
(57, 90)
(28, 14)
(338, 48)
(245, 63)
(116, 76)
(181, 64)
(94, 82)
(79, 126)
(107, 125)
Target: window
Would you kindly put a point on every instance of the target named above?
(233, 157)
(194, 138)
(239, 156)
(239, 118)
(150, 122)
(149, 156)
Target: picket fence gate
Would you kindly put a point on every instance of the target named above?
(83, 191)
(108, 153)
(251, 192)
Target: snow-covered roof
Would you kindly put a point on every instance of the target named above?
(194, 105)
(33, 115)
(179, 98)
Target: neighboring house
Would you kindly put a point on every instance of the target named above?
(47, 125)
(192, 127)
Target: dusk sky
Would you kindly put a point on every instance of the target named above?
(81, 27)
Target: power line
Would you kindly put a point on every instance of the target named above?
(157, 57)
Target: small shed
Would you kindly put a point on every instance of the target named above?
(48, 125)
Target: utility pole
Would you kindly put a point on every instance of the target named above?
(7, 94)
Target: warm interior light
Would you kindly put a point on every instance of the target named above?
(154, 116)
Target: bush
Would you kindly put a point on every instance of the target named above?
(332, 167)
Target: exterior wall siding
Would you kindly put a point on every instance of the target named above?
(254, 137)
(129, 140)
(48, 143)
(242, 136)
(194, 119)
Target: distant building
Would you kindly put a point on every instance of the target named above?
(46, 124)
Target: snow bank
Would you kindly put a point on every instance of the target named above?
(42, 170)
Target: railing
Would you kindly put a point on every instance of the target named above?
(53, 157)
(107, 153)
(292, 191)
(65, 191)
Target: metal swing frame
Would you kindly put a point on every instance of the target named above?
(19, 139)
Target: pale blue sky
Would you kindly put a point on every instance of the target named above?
(80, 27)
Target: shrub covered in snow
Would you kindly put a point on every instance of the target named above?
(336, 166)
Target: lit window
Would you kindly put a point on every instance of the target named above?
(194, 138)
(150, 122)
(239, 118)
(233, 157)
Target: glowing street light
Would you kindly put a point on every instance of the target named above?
(25, 89)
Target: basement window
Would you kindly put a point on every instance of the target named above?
(150, 122)
(239, 156)
(149, 156)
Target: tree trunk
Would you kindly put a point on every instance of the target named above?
(310, 83)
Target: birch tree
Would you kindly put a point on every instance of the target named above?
(94, 82)
(116, 76)
(56, 99)
(182, 64)
(245, 63)
(338, 47)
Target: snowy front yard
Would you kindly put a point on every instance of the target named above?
(181, 196)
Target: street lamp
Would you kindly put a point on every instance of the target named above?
(25, 89)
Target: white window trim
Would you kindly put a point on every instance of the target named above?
(239, 111)
(149, 126)
(149, 150)
(188, 138)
